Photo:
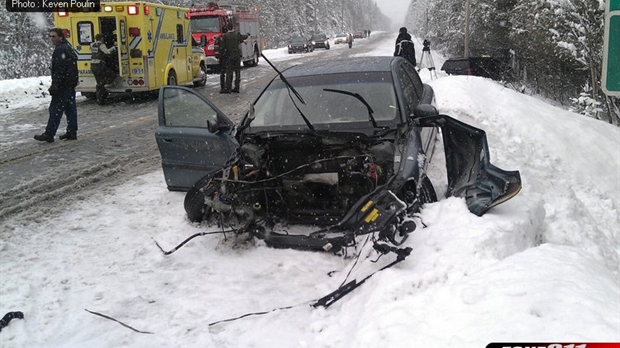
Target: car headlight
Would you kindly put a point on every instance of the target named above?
(289, 46)
(305, 45)
(326, 42)
(313, 42)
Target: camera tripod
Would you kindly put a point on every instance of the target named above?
(426, 61)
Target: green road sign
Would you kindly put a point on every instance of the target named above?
(611, 50)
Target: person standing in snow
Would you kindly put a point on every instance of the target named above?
(231, 41)
(62, 90)
(404, 46)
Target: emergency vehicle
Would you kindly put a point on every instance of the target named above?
(208, 24)
(154, 47)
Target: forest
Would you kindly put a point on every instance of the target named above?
(552, 48)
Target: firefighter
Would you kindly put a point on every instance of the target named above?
(103, 73)
(231, 41)
(221, 54)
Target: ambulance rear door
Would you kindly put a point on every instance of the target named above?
(122, 46)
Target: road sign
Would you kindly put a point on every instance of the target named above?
(611, 50)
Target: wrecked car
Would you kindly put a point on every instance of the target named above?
(343, 146)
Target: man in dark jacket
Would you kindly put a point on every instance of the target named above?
(404, 46)
(231, 41)
(62, 90)
(222, 56)
(103, 73)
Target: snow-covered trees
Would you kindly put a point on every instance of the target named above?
(555, 46)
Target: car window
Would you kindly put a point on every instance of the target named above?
(411, 86)
(185, 109)
(276, 107)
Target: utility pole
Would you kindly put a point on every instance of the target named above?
(316, 28)
(342, 16)
(467, 13)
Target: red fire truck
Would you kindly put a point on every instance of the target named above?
(208, 23)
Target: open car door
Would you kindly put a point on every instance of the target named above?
(470, 172)
(194, 137)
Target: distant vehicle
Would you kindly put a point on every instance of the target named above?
(208, 25)
(341, 38)
(476, 66)
(320, 41)
(344, 145)
(299, 44)
(359, 34)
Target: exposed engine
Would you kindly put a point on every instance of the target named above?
(308, 179)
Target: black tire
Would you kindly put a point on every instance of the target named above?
(172, 78)
(89, 95)
(202, 82)
(427, 195)
(194, 202)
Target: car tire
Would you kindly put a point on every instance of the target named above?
(172, 78)
(194, 202)
(203, 81)
(427, 195)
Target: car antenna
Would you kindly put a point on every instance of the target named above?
(360, 98)
(291, 88)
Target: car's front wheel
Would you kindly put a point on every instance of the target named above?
(414, 200)
(194, 202)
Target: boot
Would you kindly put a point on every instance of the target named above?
(44, 137)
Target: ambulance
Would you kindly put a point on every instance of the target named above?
(153, 47)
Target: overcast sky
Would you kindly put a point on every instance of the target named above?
(395, 9)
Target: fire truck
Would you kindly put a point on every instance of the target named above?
(153, 47)
(208, 25)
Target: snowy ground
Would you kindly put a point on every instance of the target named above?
(542, 267)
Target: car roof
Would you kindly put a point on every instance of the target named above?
(346, 65)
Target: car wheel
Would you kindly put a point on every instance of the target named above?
(194, 202)
(427, 195)
(172, 78)
(256, 55)
(202, 81)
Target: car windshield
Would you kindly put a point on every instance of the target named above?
(298, 40)
(275, 107)
(205, 24)
(341, 35)
(319, 37)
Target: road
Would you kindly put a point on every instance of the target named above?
(115, 142)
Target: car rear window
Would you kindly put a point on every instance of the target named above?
(277, 106)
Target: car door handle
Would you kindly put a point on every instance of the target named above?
(167, 140)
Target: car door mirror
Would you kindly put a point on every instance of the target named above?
(213, 126)
(203, 40)
(424, 110)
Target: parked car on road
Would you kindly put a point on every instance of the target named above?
(320, 41)
(344, 145)
(299, 44)
(359, 34)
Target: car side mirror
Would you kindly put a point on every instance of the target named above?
(213, 126)
(203, 40)
(424, 110)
